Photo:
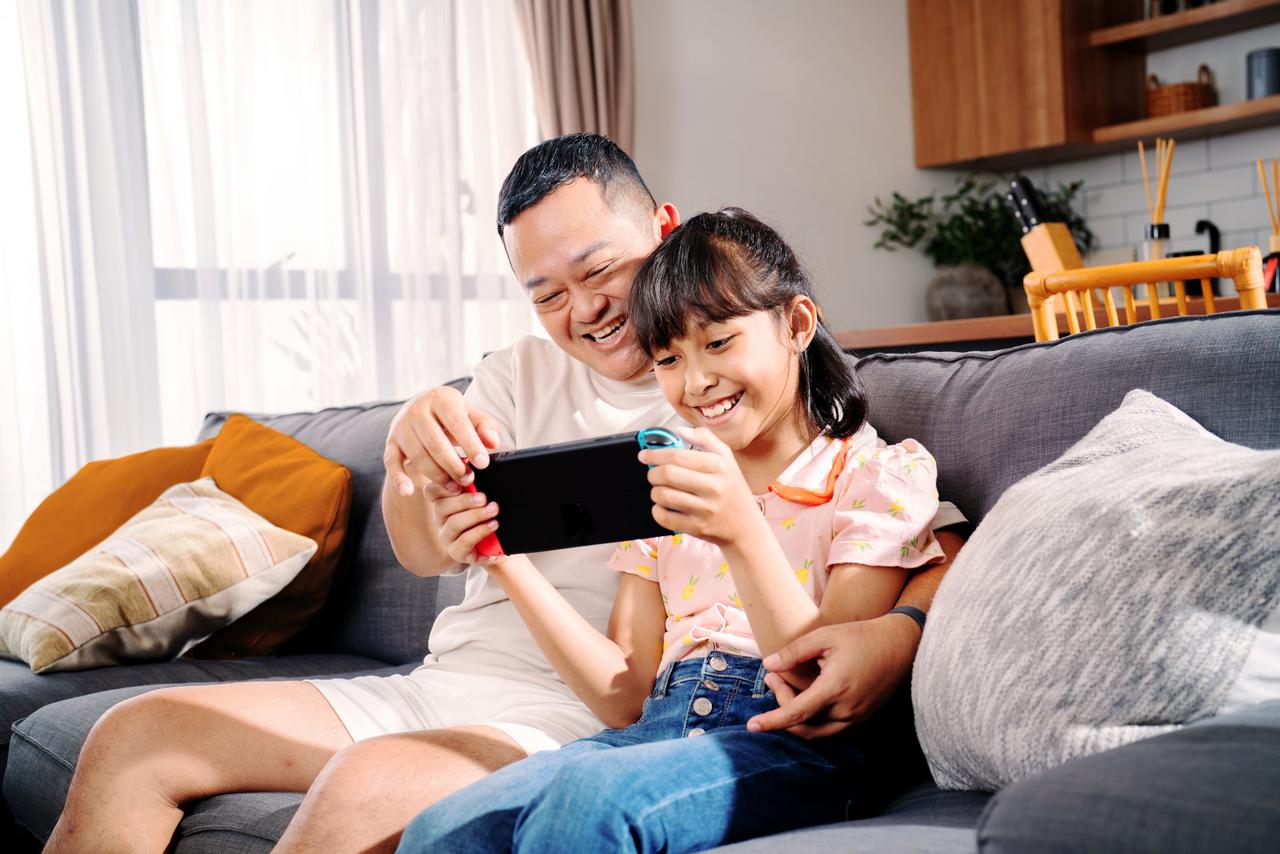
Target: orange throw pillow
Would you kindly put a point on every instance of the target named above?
(89, 507)
(294, 488)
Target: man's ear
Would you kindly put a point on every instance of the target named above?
(667, 218)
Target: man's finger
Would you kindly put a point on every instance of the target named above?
(805, 705)
(807, 647)
(455, 421)
(394, 464)
(486, 427)
(440, 460)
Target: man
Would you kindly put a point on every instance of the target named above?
(576, 220)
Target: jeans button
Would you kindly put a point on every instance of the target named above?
(702, 706)
(696, 731)
(709, 685)
(718, 664)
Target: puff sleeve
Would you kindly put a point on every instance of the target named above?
(637, 557)
(886, 500)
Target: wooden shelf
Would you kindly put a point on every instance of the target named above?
(1217, 19)
(1224, 118)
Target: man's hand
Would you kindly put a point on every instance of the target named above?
(862, 664)
(425, 435)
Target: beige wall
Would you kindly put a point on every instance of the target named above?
(798, 111)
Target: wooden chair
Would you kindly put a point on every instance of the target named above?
(1047, 289)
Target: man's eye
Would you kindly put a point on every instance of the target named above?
(598, 270)
(546, 299)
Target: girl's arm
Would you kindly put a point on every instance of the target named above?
(613, 675)
(778, 607)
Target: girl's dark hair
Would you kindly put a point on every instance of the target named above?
(729, 264)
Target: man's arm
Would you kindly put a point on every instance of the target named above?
(862, 663)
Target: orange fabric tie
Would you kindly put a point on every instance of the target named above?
(812, 497)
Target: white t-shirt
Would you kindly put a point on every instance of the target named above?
(540, 395)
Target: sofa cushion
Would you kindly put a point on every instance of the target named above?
(189, 564)
(298, 490)
(1113, 595)
(991, 419)
(46, 744)
(375, 607)
(1207, 788)
(99, 498)
(924, 820)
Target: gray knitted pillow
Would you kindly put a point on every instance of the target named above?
(1113, 595)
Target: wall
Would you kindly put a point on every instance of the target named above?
(801, 112)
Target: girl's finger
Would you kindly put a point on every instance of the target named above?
(457, 526)
(673, 499)
(669, 520)
(682, 457)
(448, 506)
(702, 437)
(695, 482)
(463, 549)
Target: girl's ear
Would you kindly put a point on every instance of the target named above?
(803, 322)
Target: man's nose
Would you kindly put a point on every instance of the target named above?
(587, 307)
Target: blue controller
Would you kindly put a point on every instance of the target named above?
(659, 437)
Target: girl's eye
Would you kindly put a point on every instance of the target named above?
(665, 361)
(719, 343)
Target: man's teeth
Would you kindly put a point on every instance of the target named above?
(720, 408)
(601, 336)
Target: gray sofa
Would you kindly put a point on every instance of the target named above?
(990, 419)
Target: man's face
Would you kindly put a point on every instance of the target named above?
(576, 259)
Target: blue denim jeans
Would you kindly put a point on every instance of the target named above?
(686, 777)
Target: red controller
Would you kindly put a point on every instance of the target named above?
(489, 546)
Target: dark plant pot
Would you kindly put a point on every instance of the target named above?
(965, 290)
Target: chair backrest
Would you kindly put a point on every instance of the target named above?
(1085, 290)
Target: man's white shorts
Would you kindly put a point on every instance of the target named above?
(537, 717)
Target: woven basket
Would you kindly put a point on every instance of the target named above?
(1180, 97)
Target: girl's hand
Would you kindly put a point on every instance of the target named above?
(700, 492)
(463, 521)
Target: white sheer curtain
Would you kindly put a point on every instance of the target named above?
(263, 206)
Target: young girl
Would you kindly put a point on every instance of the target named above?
(791, 513)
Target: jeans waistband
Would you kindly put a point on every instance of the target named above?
(716, 666)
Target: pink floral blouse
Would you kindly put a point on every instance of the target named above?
(879, 514)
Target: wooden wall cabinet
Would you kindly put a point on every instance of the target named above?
(1009, 78)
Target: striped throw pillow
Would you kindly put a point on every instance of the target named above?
(193, 561)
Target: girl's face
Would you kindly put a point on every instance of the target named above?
(739, 378)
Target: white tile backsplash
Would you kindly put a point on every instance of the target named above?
(1212, 179)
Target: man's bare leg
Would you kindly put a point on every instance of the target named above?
(369, 792)
(149, 755)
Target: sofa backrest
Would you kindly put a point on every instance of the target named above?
(376, 608)
(991, 419)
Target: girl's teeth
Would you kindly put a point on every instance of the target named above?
(720, 408)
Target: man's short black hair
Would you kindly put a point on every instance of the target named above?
(554, 163)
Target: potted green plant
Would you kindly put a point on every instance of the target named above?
(971, 235)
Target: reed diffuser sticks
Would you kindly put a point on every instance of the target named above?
(1164, 164)
(1273, 206)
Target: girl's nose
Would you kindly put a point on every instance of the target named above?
(697, 381)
